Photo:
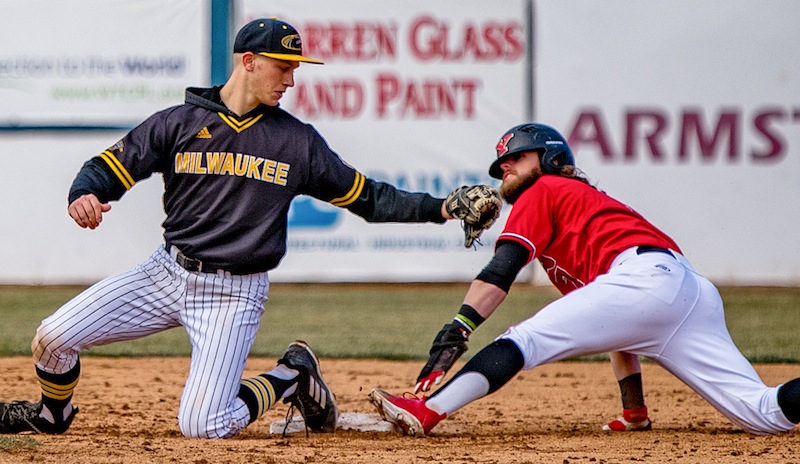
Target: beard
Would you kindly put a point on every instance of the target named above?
(511, 190)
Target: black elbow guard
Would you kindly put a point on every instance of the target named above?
(509, 258)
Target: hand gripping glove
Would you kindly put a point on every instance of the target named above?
(477, 207)
(450, 343)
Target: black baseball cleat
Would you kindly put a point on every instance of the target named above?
(313, 398)
(23, 416)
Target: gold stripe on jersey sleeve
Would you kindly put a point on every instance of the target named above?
(353, 194)
(120, 171)
(239, 126)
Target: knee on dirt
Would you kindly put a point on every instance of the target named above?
(207, 425)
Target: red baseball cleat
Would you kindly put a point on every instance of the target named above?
(409, 413)
(632, 420)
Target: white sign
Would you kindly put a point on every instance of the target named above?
(689, 112)
(107, 63)
(98, 62)
(415, 94)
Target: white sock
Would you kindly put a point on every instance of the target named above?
(47, 414)
(289, 391)
(459, 393)
(284, 373)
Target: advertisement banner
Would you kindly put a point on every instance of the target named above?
(690, 112)
(74, 77)
(415, 94)
(686, 111)
(61, 65)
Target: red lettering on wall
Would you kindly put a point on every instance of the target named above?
(689, 135)
(435, 40)
(692, 129)
(426, 98)
(590, 131)
(356, 41)
(341, 99)
(776, 143)
(649, 126)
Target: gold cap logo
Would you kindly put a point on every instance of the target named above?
(292, 42)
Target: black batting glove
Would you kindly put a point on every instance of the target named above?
(450, 343)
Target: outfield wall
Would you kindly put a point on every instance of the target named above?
(686, 111)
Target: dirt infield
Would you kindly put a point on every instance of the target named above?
(551, 414)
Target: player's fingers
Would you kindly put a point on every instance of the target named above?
(87, 211)
(78, 214)
(96, 212)
(90, 220)
(423, 386)
(428, 382)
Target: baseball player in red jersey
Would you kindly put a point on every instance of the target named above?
(627, 289)
(231, 160)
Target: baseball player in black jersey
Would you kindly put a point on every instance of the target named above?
(232, 161)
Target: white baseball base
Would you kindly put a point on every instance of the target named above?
(359, 421)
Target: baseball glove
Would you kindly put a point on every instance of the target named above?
(477, 207)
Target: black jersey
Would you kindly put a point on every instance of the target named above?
(229, 179)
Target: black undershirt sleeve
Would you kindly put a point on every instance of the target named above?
(96, 177)
(509, 258)
(381, 202)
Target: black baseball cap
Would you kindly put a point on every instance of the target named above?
(272, 38)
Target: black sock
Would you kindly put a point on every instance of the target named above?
(789, 400)
(499, 362)
(261, 392)
(632, 392)
(57, 390)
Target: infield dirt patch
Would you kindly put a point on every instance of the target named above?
(551, 414)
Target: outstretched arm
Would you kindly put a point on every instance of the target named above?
(478, 206)
(382, 202)
(484, 297)
(485, 294)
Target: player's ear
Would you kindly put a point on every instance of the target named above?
(248, 60)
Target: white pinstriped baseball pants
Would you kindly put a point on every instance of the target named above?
(220, 312)
(656, 306)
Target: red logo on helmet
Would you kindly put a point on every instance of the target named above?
(502, 145)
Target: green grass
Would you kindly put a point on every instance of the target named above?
(11, 442)
(396, 321)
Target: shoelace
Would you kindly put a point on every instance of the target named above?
(17, 411)
(290, 416)
(35, 429)
(475, 241)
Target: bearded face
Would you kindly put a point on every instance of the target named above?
(518, 176)
(512, 188)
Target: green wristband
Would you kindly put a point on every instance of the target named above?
(469, 318)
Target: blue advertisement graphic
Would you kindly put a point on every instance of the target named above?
(306, 212)
(311, 213)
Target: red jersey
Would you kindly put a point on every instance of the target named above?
(576, 231)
